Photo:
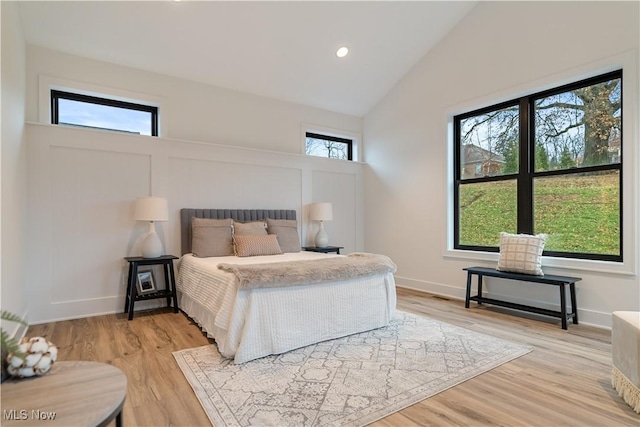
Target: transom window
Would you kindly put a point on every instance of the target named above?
(546, 163)
(86, 111)
(332, 147)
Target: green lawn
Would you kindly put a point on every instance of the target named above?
(579, 213)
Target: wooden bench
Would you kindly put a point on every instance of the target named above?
(547, 279)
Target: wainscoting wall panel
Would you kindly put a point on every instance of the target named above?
(82, 187)
(91, 193)
(340, 190)
(196, 183)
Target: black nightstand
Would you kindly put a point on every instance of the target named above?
(326, 250)
(169, 278)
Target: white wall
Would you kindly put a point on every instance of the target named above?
(222, 149)
(14, 164)
(189, 110)
(499, 51)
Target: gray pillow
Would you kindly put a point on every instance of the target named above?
(287, 232)
(211, 237)
(249, 228)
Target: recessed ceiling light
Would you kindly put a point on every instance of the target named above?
(342, 52)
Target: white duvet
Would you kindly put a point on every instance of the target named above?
(252, 323)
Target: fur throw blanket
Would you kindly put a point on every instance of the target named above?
(294, 273)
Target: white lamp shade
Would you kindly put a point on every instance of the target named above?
(321, 211)
(151, 209)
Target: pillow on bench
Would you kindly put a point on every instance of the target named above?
(521, 253)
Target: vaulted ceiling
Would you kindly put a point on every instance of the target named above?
(281, 50)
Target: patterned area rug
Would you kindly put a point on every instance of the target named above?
(350, 381)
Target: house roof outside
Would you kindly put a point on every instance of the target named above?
(472, 154)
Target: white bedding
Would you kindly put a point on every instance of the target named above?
(253, 323)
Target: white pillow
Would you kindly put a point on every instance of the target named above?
(521, 253)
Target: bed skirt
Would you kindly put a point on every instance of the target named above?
(274, 321)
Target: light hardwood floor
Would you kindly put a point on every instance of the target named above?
(564, 381)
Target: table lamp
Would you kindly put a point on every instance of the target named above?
(151, 209)
(321, 212)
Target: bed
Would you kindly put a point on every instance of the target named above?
(252, 322)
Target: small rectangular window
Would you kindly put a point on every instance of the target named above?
(72, 109)
(332, 147)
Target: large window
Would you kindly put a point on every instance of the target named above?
(546, 163)
(74, 109)
(328, 146)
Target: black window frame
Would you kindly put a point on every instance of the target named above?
(56, 95)
(347, 141)
(526, 169)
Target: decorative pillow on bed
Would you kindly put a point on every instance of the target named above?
(211, 237)
(521, 253)
(254, 245)
(287, 232)
(245, 228)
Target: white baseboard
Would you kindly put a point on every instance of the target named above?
(99, 307)
(449, 291)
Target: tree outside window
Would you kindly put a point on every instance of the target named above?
(328, 146)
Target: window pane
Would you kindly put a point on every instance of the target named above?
(86, 114)
(326, 148)
(580, 213)
(486, 209)
(579, 128)
(489, 143)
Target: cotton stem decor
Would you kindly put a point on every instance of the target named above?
(34, 358)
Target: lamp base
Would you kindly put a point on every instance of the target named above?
(152, 245)
(322, 238)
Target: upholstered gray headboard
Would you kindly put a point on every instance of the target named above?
(243, 215)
